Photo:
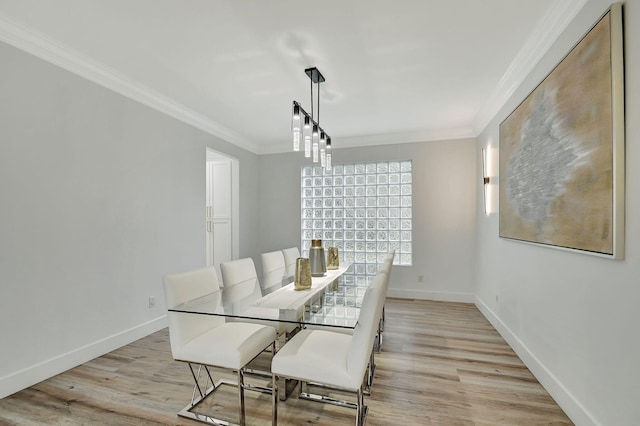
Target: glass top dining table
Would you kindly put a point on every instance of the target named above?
(333, 301)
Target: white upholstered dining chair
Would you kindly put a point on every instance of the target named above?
(382, 281)
(329, 358)
(273, 271)
(241, 290)
(208, 341)
(386, 266)
(290, 256)
(240, 283)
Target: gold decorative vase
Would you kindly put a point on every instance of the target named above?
(302, 278)
(333, 262)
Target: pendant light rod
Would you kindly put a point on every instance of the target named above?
(311, 89)
(316, 77)
(318, 103)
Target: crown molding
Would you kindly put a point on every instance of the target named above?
(406, 137)
(553, 23)
(52, 51)
(385, 139)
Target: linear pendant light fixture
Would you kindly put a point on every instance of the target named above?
(306, 127)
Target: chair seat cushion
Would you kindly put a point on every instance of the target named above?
(231, 345)
(317, 356)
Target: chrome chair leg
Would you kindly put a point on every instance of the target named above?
(361, 410)
(196, 379)
(274, 400)
(241, 396)
(378, 340)
(371, 369)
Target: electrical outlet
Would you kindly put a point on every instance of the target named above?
(152, 302)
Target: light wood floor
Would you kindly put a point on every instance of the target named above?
(441, 363)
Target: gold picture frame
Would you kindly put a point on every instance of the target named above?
(562, 151)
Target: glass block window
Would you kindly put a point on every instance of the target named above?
(364, 209)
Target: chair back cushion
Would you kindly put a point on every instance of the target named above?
(385, 268)
(290, 256)
(180, 288)
(365, 331)
(240, 284)
(273, 271)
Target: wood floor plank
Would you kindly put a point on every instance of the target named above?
(441, 363)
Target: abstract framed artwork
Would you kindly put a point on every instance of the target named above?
(562, 151)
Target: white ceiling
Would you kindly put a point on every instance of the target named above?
(396, 71)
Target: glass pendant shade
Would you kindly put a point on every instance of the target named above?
(296, 140)
(307, 146)
(295, 127)
(323, 149)
(314, 141)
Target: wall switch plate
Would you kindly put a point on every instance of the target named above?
(152, 302)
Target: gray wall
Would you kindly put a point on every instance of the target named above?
(573, 318)
(444, 203)
(100, 196)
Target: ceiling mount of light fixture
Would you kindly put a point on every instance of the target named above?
(317, 143)
(315, 75)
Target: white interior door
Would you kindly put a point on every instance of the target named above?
(221, 211)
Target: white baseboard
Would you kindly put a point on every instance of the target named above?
(571, 406)
(30, 376)
(441, 296)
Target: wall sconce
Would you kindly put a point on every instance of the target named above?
(485, 181)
